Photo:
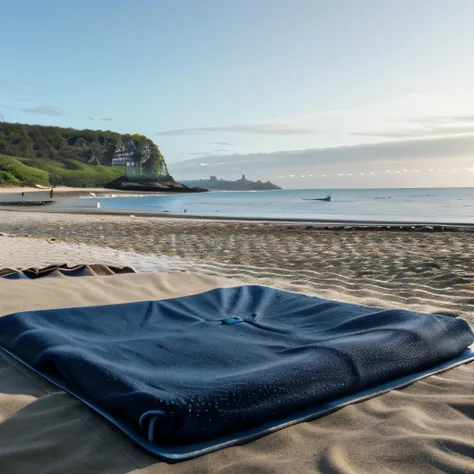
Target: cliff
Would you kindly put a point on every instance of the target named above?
(153, 184)
(33, 154)
(93, 147)
(239, 185)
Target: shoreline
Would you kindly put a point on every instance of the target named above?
(83, 201)
(334, 224)
(67, 192)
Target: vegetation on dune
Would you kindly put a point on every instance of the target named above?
(69, 172)
(54, 150)
(14, 173)
(7, 179)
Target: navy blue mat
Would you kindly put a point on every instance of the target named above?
(186, 376)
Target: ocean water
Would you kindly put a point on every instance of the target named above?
(447, 205)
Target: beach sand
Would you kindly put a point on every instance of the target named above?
(434, 271)
(426, 427)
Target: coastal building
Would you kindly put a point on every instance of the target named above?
(132, 158)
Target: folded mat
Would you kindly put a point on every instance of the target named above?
(62, 270)
(189, 375)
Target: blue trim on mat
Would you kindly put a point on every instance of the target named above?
(175, 453)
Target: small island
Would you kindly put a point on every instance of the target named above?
(242, 184)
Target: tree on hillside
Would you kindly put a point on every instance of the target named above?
(87, 146)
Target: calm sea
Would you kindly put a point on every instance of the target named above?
(448, 205)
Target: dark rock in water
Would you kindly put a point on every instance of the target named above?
(162, 184)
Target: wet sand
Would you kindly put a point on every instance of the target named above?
(68, 192)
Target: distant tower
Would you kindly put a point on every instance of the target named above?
(2, 118)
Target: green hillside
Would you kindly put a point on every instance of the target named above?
(14, 173)
(60, 171)
(56, 149)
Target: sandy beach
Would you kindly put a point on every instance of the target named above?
(426, 427)
(434, 271)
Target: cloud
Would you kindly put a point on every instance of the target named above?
(424, 126)
(331, 158)
(441, 119)
(463, 118)
(8, 107)
(89, 118)
(432, 132)
(15, 87)
(44, 110)
(201, 153)
(394, 117)
(41, 110)
(386, 134)
(106, 119)
(220, 143)
(262, 128)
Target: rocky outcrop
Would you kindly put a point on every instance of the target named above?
(152, 184)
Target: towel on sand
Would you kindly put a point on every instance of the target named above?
(62, 270)
(200, 367)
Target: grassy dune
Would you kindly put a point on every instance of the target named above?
(55, 172)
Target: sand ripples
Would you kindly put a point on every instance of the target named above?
(434, 290)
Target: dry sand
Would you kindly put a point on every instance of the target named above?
(427, 427)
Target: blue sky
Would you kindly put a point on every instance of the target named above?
(228, 77)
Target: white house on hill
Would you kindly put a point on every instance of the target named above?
(132, 157)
